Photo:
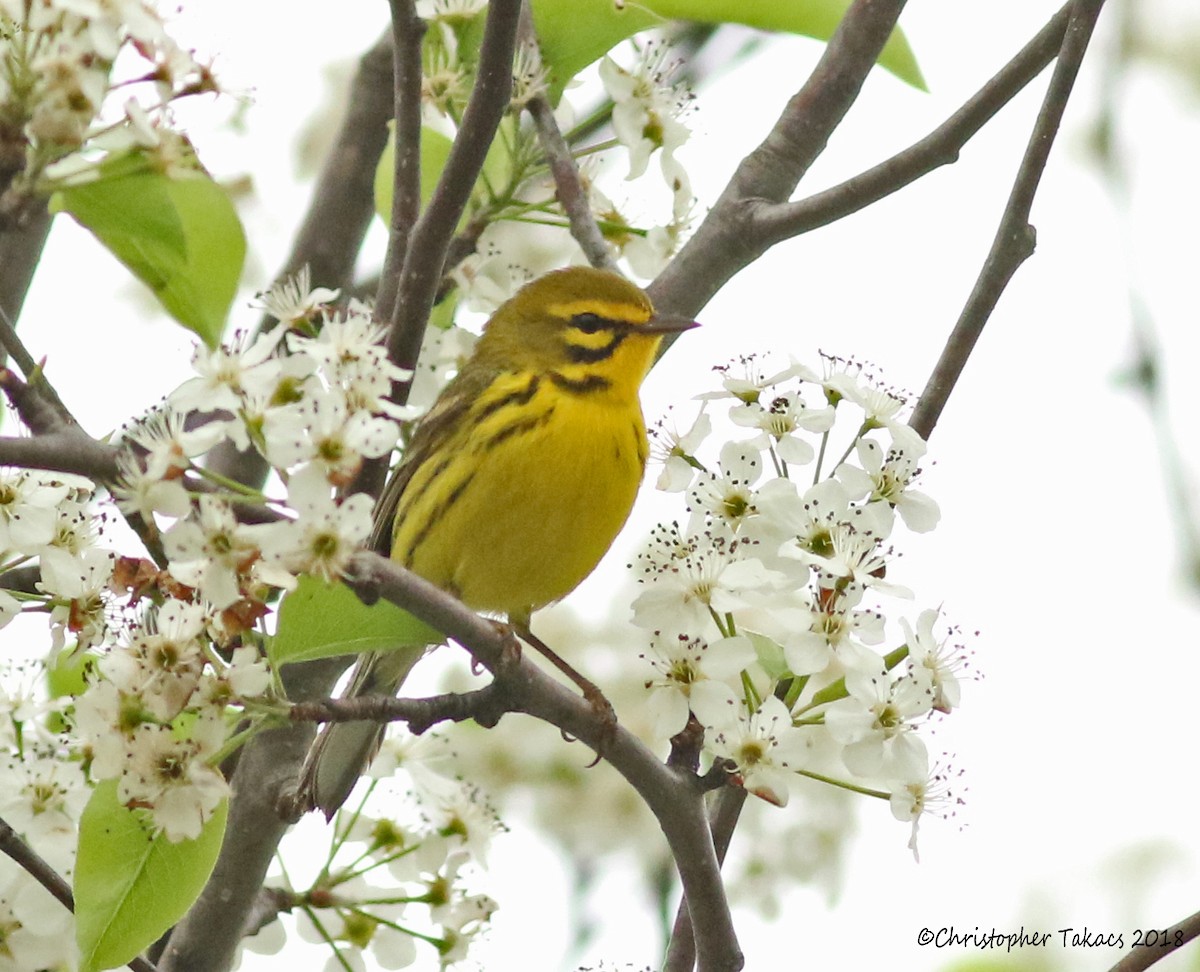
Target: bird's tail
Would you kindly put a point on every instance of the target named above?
(343, 750)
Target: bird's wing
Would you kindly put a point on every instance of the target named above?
(447, 415)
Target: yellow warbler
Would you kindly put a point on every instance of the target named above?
(519, 477)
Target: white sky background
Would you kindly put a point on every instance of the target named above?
(1055, 541)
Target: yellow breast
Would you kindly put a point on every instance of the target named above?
(521, 510)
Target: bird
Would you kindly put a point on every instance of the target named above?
(517, 480)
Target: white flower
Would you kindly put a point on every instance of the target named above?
(10, 607)
(729, 495)
(646, 109)
(934, 662)
(167, 772)
(461, 814)
(248, 674)
(212, 552)
(292, 300)
(780, 419)
(932, 794)
(138, 492)
(749, 386)
(889, 478)
(677, 452)
(442, 353)
(325, 533)
(28, 509)
(809, 520)
(692, 675)
(764, 748)
(831, 627)
(854, 381)
(164, 661)
(226, 373)
(690, 578)
(77, 585)
(875, 725)
(324, 432)
(350, 354)
(169, 445)
(42, 795)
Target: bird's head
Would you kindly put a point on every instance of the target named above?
(587, 329)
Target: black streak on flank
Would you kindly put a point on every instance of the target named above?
(522, 396)
(517, 428)
(436, 516)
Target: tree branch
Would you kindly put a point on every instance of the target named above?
(727, 240)
(343, 200)
(37, 402)
(20, 251)
(484, 706)
(940, 147)
(675, 798)
(67, 451)
(1144, 956)
(723, 819)
(567, 182)
(431, 236)
(1015, 237)
(407, 31)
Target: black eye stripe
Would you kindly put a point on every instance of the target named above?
(582, 355)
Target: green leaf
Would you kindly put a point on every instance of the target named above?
(319, 620)
(574, 33)
(770, 655)
(178, 233)
(130, 884)
(435, 149)
(67, 671)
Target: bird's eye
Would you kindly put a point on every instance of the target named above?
(588, 323)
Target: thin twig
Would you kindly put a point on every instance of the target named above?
(1145, 955)
(33, 864)
(45, 408)
(433, 232)
(940, 147)
(726, 241)
(567, 182)
(569, 186)
(407, 31)
(1015, 237)
(484, 706)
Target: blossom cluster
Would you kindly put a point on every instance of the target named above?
(58, 61)
(43, 790)
(764, 605)
(167, 660)
(176, 648)
(525, 231)
(400, 866)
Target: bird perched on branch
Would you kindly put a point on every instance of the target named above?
(518, 478)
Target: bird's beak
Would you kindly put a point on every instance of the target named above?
(668, 325)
